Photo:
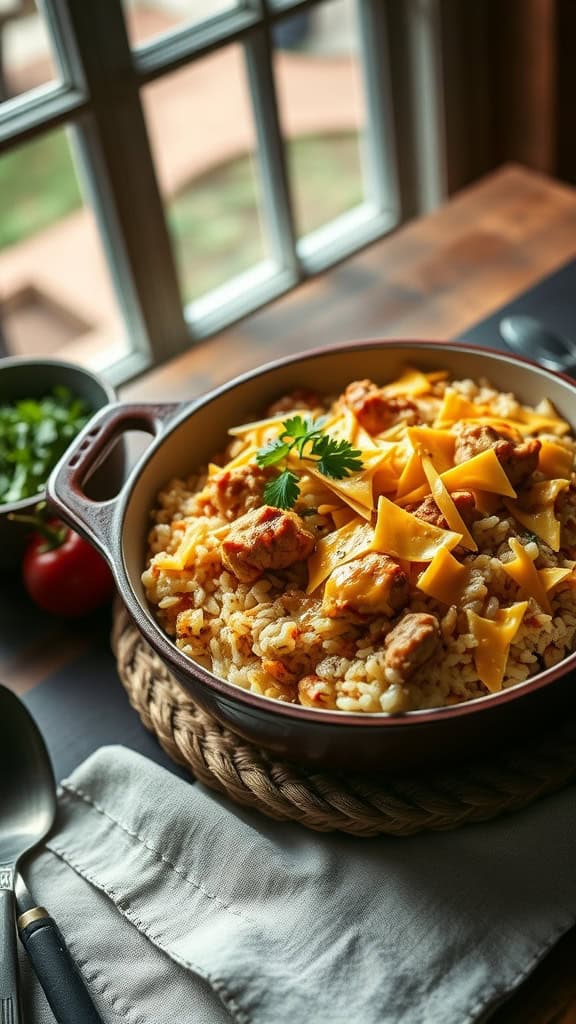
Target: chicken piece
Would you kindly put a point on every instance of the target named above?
(413, 641)
(235, 491)
(298, 399)
(371, 585)
(518, 459)
(429, 512)
(374, 411)
(265, 538)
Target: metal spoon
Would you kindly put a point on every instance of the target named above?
(529, 337)
(27, 810)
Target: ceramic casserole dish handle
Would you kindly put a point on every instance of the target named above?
(66, 486)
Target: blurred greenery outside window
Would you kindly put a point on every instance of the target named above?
(215, 217)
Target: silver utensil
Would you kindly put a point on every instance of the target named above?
(529, 337)
(27, 810)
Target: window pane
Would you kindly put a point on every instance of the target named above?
(318, 77)
(26, 57)
(203, 139)
(57, 298)
(148, 18)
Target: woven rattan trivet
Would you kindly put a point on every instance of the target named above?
(361, 805)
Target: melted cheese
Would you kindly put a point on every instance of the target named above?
(493, 638)
(246, 455)
(182, 556)
(438, 445)
(345, 427)
(355, 490)
(536, 512)
(412, 475)
(487, 503)
(267, 429)
(385, 479)
(351, 540)
(543, 493)
(550, 578)
(525, 574)
(540, 521)
(536, 422)
(415, 496)
(455, 407)
(507, 427)
(446, 505)
(554, 460)
(445, 578)
(342, 516)
(411, 382)
(483, 472)
(403, 535)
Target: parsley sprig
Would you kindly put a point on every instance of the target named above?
(307, 438)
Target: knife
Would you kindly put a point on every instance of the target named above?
(55, 969)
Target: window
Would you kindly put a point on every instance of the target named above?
(195, 159)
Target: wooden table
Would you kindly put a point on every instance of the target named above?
(432, 279)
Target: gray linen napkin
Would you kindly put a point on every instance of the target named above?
(179, 907)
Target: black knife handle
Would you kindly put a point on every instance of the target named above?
(55, 969)
(9, 999)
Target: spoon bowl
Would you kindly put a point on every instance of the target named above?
(533, 339)
(27, 810)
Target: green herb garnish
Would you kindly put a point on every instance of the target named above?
(305, 437)
(34, 433)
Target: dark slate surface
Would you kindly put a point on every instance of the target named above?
(552, 300)
(84, 706)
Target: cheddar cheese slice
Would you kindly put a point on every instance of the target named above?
(483, 472)
(446, 505)
(183, 554)
(350, 541)
(346, 427)
(455, 407)
(543, 493)
(549, 423)
(266, 429)
(411, 382)
(342, 516)
(246, 456)
(487, 503)
(535, 511)
(438, 445)
(445, 578)
(540, 521)
(554, 460)
(493, 638)
(403, 535)
(412, 476)
(524, 573)
(550, 578)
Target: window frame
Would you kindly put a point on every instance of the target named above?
(99, 96)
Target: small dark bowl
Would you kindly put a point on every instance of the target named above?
(186, 437)
(33, 378)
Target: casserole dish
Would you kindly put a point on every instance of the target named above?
(185, 437)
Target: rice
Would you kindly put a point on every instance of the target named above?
(271, 637)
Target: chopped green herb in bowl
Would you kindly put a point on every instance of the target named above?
(34, 434)
(44, 404)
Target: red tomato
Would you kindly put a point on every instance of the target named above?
(69, 578)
